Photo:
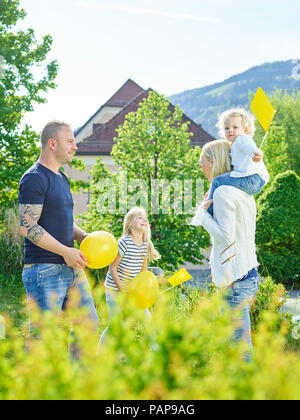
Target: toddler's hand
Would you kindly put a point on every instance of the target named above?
(257, 157)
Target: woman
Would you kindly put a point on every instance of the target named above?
(232, 229)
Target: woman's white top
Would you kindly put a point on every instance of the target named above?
(242, 151)
(232, 230)
(131, 264)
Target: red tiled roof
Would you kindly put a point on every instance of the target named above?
(122, 97)
(125, 94)
(101, 141)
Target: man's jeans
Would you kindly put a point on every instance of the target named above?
(49, 286)
(252, 185)
(241, 295)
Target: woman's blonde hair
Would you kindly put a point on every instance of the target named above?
(248, 121)
(218, 152)
(129, 222)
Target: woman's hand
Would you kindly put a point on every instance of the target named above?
(196, 220)
(206, 204)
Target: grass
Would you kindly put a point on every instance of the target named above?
(13, 304)
(219, 91)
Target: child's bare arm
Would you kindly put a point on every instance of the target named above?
(113, 271)
(145, 265)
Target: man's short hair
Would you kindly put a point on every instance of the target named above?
(51, 130)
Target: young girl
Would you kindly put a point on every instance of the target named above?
(135, 250)
(249, 172)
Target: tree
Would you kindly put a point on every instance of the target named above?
(276, 157)
(21, 55)
(152, 150)
(278, 228)
(282, 146)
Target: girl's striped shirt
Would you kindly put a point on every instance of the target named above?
(131, 264)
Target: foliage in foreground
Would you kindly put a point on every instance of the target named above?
(195, 358)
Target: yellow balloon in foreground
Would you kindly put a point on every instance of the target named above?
(144, 290)
(100, 249)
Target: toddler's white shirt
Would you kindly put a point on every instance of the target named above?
(242, 152)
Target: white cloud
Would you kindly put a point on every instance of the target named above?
(126, 8)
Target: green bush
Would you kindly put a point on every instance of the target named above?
(196, 358)
(278, 229)
(271, 297)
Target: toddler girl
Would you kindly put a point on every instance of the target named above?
(135, 250)
(249, 172)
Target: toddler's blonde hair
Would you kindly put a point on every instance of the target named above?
(248, 120)
(129, 222)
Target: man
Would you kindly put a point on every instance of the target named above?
(52, 265)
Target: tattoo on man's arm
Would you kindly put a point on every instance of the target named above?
(34, 211)
(29, 216)
(35, 234)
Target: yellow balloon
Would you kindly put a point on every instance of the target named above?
(100, 249)
(144, 290)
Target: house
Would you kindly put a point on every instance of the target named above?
(95, 138)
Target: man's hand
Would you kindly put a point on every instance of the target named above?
(74, 258)
(29, 216)
(257, 157)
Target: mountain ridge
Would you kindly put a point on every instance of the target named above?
(204, 104)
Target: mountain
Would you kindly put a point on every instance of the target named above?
(204, 104)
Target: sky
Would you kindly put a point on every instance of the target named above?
(168, 45)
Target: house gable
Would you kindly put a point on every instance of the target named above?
(113, 106)
(100, 142)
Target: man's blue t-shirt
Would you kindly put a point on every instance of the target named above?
(40, 185)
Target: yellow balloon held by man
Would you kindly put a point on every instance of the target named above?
(144, 290)
(100, 249)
